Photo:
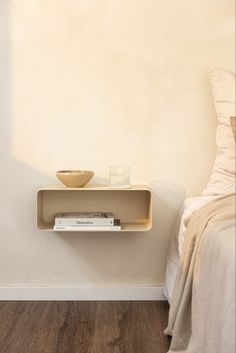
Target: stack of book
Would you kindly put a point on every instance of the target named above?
(89, 221)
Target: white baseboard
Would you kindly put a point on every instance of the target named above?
(82, 293)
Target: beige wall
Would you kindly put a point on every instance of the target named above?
(91, 83)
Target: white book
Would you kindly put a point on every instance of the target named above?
(85, 219)
(81, 228)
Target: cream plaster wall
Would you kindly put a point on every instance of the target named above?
(91, 83)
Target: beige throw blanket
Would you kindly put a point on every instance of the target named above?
(202, 311)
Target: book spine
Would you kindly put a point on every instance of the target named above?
(87, 229)
(84, 222)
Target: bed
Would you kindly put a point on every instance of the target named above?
(200, 272)
(202, 311)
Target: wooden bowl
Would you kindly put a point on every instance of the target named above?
(74, 178)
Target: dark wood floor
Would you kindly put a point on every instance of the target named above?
(83, 327)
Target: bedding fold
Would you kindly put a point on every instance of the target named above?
(202, 310)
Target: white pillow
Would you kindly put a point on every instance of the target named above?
(222, 180)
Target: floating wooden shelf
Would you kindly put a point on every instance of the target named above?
(132, 206)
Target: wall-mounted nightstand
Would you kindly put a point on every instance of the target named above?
(132, 206)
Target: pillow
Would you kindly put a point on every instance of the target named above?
(222, 180)
(233, 126)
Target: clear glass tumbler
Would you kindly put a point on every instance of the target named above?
(120, 177)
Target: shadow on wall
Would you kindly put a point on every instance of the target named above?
(151, 247)
(18, 181)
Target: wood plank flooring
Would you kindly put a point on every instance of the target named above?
(83, 327)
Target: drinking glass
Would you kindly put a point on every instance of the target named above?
(120, 177)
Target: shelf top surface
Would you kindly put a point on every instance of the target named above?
(92, 187)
